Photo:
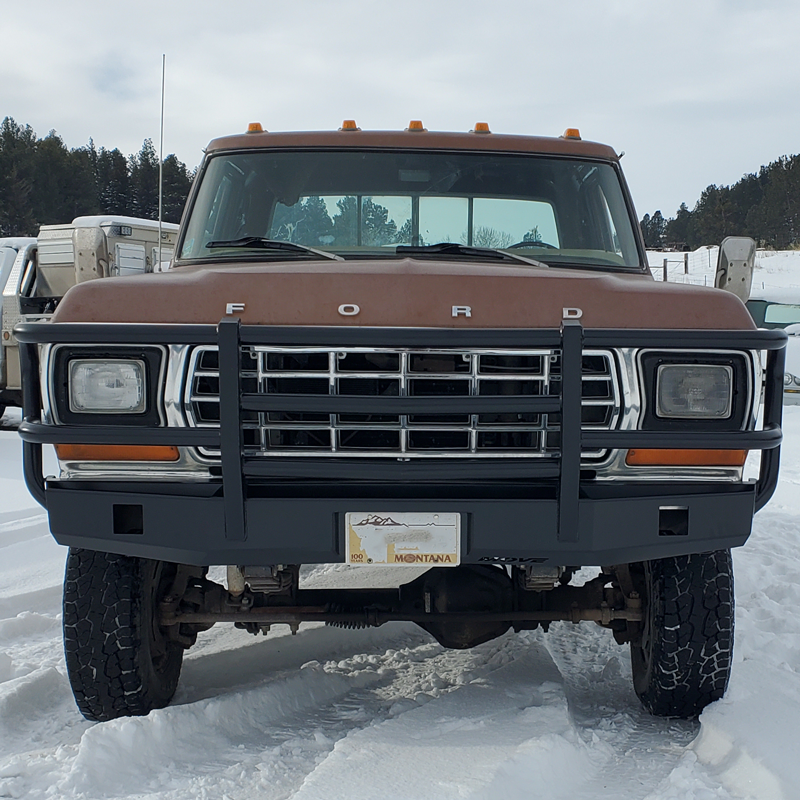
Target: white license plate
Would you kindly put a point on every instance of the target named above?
(404, 539)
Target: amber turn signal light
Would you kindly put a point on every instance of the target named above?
(116, 452)
(685, 458)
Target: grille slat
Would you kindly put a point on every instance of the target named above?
(403, 403)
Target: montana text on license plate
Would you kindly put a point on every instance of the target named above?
(407, 539)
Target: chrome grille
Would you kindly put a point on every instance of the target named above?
(406, 372)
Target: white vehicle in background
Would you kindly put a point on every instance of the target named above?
(791, 377)
(36, 273)
(780, 308)
(9, 250)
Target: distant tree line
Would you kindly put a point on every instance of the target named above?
(764, 206)
(42, 182)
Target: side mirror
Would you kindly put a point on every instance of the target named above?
(737, 256)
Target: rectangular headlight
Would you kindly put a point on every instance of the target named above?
(694, 391)
(107, 386)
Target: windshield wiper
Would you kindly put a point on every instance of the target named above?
(455, 249)
(277, 245)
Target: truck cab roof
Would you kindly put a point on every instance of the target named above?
(569, 144)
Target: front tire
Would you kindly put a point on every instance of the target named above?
(119, 662)
(682, 660)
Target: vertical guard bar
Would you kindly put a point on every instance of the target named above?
(571, 391)
(773, 416)
(32, 465)
(230, 392)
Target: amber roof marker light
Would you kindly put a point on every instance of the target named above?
(255, 127)
(481, 127)
(415, 125)
(349, 125)
(572, 133)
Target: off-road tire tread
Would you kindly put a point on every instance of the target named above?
(103, 623)
(693, 618)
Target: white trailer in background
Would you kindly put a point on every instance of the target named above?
(36, 273)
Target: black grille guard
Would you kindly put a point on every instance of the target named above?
(230, 335)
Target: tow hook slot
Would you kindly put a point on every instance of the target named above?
(128, 519)
(673, 521)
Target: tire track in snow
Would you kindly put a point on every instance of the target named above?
(505, 723)
(257, 738)
(265, 737)
(651, 756)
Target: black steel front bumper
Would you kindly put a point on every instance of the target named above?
(284, 510)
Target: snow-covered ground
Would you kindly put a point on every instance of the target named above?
(773, 269)
(388, 713)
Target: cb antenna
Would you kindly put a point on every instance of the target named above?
(161, 161)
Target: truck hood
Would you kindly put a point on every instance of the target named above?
(404, 293)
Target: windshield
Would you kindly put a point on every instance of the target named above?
(364, 204)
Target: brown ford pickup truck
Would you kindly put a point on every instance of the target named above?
(406, 349)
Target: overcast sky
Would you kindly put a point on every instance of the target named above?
(694, 91)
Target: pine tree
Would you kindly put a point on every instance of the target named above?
(176, 184)
(143, 168)
(654, 231)
(17, 179)
(677, 231)
(345, 222)
(377, 229)
(113, 182)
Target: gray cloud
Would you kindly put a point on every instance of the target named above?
(696, 93)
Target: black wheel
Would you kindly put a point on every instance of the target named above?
(682, 661)
(118, 661)
(2, 410)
